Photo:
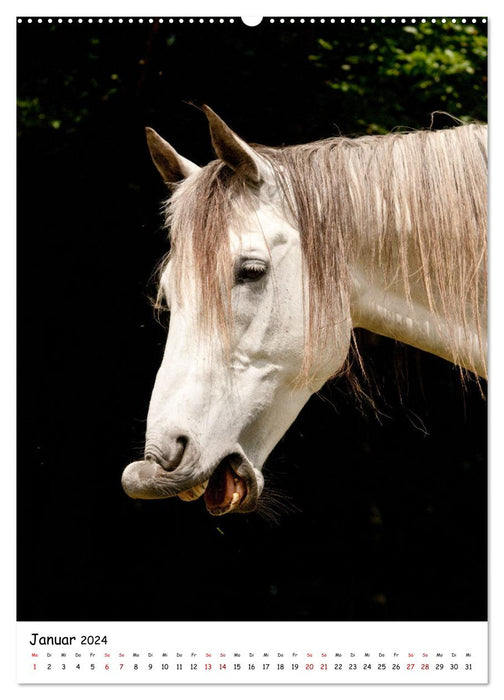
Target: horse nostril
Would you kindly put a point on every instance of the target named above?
(169, 453)
(179, 451)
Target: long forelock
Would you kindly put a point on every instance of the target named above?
(199, 215)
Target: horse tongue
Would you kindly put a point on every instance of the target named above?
(225, 489)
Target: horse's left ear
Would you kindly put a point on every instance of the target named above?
(230, 148)
(171, 165)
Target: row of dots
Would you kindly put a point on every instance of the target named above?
(383, 20)
(231, 20)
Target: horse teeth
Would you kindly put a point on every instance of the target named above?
(194, 493)
(236, 498)
(200, 488)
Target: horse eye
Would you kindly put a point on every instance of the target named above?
(251, 271)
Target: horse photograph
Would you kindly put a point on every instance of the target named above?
(252, 320)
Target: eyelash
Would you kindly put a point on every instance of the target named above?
(251, 271)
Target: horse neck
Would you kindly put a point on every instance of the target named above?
(388, 309)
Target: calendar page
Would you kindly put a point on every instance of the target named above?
(252, 419)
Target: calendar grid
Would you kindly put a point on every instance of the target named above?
(252, 652)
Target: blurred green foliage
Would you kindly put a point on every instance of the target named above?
(383, 77)
(359, 78)
(60, 94)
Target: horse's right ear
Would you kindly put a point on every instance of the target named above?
(230, 148)
(172, 166)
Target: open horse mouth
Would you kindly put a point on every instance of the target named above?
(224, 491)
(234, 485)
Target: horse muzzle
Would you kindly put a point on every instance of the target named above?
(231, 485)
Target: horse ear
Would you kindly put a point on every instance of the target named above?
(230, 148)
(172, 166)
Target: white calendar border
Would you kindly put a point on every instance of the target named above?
(7, 366)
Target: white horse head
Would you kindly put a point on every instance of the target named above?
(232, 379)
(276, 255)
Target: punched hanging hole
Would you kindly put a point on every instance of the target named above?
(251, 21)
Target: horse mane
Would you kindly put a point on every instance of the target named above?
(417, 200)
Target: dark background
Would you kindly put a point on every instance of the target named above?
(369, 517)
